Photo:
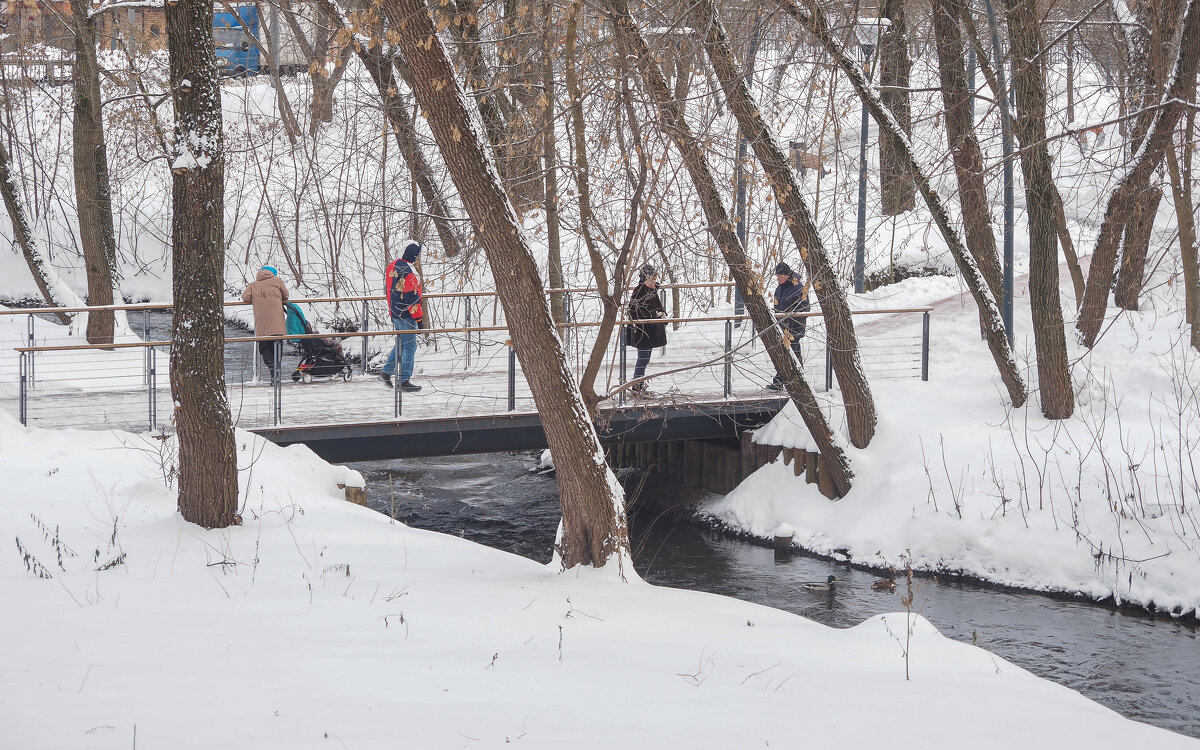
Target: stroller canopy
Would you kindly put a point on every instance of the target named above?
(297, 325)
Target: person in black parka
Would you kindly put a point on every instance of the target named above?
(645, 305)
(790, 297)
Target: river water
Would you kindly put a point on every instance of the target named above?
(1142, 667)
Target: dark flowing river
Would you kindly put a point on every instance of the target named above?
(1142, 667)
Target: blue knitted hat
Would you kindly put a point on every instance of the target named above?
(411, 252)
(271, 269)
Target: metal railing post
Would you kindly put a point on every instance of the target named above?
(925, 345)
(277, 380)
(728, 358)
(568, 330)
(621, 381)
(467, 306)
(366, 325)
(512, 377)
(397, 394)
(828, 364)
(146, 359)
(24, 405)
(29, 364)
(152, 386)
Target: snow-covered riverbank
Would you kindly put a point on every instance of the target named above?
(322, 624)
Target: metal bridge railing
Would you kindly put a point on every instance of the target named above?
(466, 370)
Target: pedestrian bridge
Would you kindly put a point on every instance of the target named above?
(708, 382)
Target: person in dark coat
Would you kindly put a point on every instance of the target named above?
(266, 294)
(791, 296)
(645, 305)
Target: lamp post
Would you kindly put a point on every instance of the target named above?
(866, 32)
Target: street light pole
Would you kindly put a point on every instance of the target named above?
(860, 245)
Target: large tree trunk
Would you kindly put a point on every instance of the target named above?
(813, 19)
(208, 487)
(720, 226)
(856, 391)
(23, 235)
(963, 145)
(897, 191)
(1121, 205)
(1050, 341)
(593, 528)
(93, 200)
(1131, 274)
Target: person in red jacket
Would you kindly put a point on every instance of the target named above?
(404, 305)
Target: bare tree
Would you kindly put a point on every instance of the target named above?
(720, 226)
(23, 235)
(208, 487)
(813, 19)
(1121, 205)
(93, 195)
(593, 528)
(897, 191)
(856, 391)
(1054, 373)
(1181, 190)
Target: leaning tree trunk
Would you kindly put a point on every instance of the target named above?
(93, 201)
(1120, 209)
(1150, 49)
(208, 487)
(839, 324)
(1049, 339)
(1181, 192)
(593, 528)
(23, 235)
(1136, 246)
(813, 19)
(631, 44)
(897, 191)
(963, 145)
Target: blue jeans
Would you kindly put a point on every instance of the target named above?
(643, 359)
(408, 350)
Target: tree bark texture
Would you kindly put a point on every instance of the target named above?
(839, 324)
(1029, 126)
(93, 196)
(594, 528)
(1120, 209)
(208, 486)
(1181, 192)
(813, 19)
(897, 191)
(1131, 274)
(963, 145)
(721, 227)
(23, 235)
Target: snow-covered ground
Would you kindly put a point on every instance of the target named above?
(1105, 504)
(318, 623)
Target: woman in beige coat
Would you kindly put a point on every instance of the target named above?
(267, 294)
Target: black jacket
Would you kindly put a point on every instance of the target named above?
(645, 305)
(790, 298)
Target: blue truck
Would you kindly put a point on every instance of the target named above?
(237, 53)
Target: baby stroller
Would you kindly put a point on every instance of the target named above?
(320, 358)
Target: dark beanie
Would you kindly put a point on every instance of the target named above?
(411, 252)
(783, 268)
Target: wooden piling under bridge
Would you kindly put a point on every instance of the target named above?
(719, 465)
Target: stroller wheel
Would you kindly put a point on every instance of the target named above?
(295, 376)
(306, 378)
(347, 374)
